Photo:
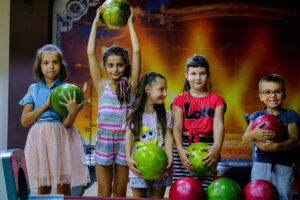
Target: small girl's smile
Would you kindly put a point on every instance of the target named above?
(158, 91)
(115, 66)
(197, 77)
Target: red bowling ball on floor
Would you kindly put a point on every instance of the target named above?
(274, 123)
(186, 188)
(260, 190)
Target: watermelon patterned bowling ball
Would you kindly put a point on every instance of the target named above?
(186, 188)
(223, 189)
(199, 168)
(260, 190)
(152, 161)
(273, 123)
(115, 13)
(56, 97)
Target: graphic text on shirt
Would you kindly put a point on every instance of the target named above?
(196, 114)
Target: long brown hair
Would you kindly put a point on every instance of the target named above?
(135, 114)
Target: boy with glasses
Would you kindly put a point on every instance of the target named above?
(273, 161)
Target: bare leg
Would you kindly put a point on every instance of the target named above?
(104, 180)
(44, 189)
(139, 192)
(64, 189)
(120, 180)
(157, 192)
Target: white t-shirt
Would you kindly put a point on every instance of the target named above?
(151, 132)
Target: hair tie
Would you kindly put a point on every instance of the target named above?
(124, 86)
(126, 57)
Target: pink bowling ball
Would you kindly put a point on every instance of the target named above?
(274, 123)
(186, 188)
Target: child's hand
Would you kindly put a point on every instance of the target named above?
(266, 145)
(97, 20)
(169, 169)
(213, 156)
(131, 18)
(184, 159)
(132, 166)
(260, 134)
(71, 104)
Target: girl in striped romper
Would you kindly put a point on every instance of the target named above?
(115, 96)
(198, 115)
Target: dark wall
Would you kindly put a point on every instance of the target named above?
(30, 28)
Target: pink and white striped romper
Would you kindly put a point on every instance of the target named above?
(110, 142)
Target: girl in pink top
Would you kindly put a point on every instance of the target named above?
(198, 115)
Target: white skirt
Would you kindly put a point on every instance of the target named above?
(54, 155)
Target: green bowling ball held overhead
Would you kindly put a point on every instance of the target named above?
(115, 13)
(60, 96)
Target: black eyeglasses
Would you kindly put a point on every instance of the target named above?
(270, 92)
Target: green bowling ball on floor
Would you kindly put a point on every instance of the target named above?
(115, 13)
(56, 97)
(152, 161)
(199, 168)
(223, 189)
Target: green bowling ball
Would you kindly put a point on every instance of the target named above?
(56, 97)
(199, 168)
(223, 189)
(115, 13)
(152, 161)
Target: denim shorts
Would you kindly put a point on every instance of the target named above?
(139, 182)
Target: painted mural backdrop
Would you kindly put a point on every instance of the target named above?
(242, 41)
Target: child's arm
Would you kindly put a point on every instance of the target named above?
(214, 151)
(290, 143)
(72, 107)
(129, 141)
(177, 132)
(169, 147)
(257, 133)
(29, 115)
(136, 55)
(95, 72)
